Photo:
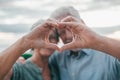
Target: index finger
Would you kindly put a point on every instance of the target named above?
(69, 19)
(75, 27)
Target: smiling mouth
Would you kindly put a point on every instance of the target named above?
(68, 41)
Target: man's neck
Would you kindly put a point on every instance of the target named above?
(75, 53)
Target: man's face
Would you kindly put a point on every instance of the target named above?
(53, 37)
(65, 35)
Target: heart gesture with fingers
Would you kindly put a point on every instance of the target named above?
(75, 34)
(39, 37)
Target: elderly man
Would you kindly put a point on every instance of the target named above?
(85, 55)
(81, 57)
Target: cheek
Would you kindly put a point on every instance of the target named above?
(68, 35)
(63, 38)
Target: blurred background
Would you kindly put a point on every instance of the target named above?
(17, 16)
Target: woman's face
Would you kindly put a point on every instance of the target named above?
(52, 39)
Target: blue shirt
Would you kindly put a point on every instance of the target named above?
(88, 65)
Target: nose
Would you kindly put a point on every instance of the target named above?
(68, 36)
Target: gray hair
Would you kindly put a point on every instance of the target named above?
(39, 22)
(63, 12)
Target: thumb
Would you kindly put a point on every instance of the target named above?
(65, 25)
(51, 46)
(67, 46)
(73, 26)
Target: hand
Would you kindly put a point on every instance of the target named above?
(83, 37)
(71, 19)
(39, 37)
(21, 60)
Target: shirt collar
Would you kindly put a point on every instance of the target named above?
(81, 51)
(88, 51)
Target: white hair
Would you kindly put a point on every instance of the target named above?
(63, 12)
(39, 22)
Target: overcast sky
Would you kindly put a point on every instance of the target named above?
(17, 16)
